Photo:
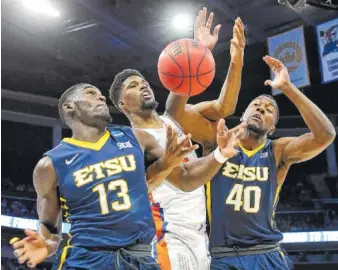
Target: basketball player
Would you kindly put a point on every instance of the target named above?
(244, 193)
(99, 174)
(181, 226)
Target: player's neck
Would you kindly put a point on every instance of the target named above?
(87, 133)
(252, 141)
(146, 120)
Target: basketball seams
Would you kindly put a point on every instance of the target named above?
(199, 65)
(188, 55)
(190, 76)
(182, 77)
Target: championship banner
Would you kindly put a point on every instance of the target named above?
(327, 35)
(289, 48)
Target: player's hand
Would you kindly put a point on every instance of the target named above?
(31, 250)
(228, 140)
(282, 77)
(175, 150)
(202, 29)
(237, 42)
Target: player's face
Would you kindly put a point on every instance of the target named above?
(137, 96)
(260, 115)
(90, 107)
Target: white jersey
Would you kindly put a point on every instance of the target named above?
(180, 219)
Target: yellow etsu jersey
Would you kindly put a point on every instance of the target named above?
(103, 190)
(242, 199)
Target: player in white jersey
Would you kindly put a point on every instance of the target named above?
(179, 211)
(182, 224)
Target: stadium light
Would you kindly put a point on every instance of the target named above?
(41, 6)
(182, 22)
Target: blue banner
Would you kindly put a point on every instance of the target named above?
(327, 35)
(289, 48)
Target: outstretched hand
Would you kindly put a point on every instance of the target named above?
(175, 150)
(202, 29)
(31, 250)
(228, 140)
(237, 42)
(282, 77)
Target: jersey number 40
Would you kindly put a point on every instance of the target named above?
(241, 197)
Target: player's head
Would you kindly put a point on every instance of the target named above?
(84, 103)
(131, 93)
(262, 115)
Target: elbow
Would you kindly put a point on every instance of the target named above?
(331, 134)
(224, 111)
(327, 136)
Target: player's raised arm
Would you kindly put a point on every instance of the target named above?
(309, 145)
(193, 174)
(187, 115)
(37, 246)
(226, 103)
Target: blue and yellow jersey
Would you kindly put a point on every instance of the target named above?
(241, 200)
(103, 190)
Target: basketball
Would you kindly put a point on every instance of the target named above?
(186, 67)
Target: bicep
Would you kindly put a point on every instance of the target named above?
(302, 148)
(208, 110)
(45, 184)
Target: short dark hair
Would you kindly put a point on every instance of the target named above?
(274, 104)
(68, 95)
(116, 87)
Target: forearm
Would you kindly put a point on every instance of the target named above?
(226, 103)
(50, 225)
(320, 126)
(198, 172)
(175, 105)
(157, 172)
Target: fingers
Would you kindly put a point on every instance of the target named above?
(187, 150)
(170, 134)
(221, 127)
(19, 244)
(19, 252)
(204, 15)
(242, 125)
(217, 29)
(31, 264)
(239, 20)
(239, 34)
(184, 141)
(22, 259)
(197, 23)
(273, 63)
(268, 82)
(210, 19)
(31, 233)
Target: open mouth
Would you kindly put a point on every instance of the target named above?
(146, 94)
(257, 117)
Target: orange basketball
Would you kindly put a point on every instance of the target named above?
(186, 67)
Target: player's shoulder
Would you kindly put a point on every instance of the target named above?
(280, 143)
(44, 166)
(278, 147)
